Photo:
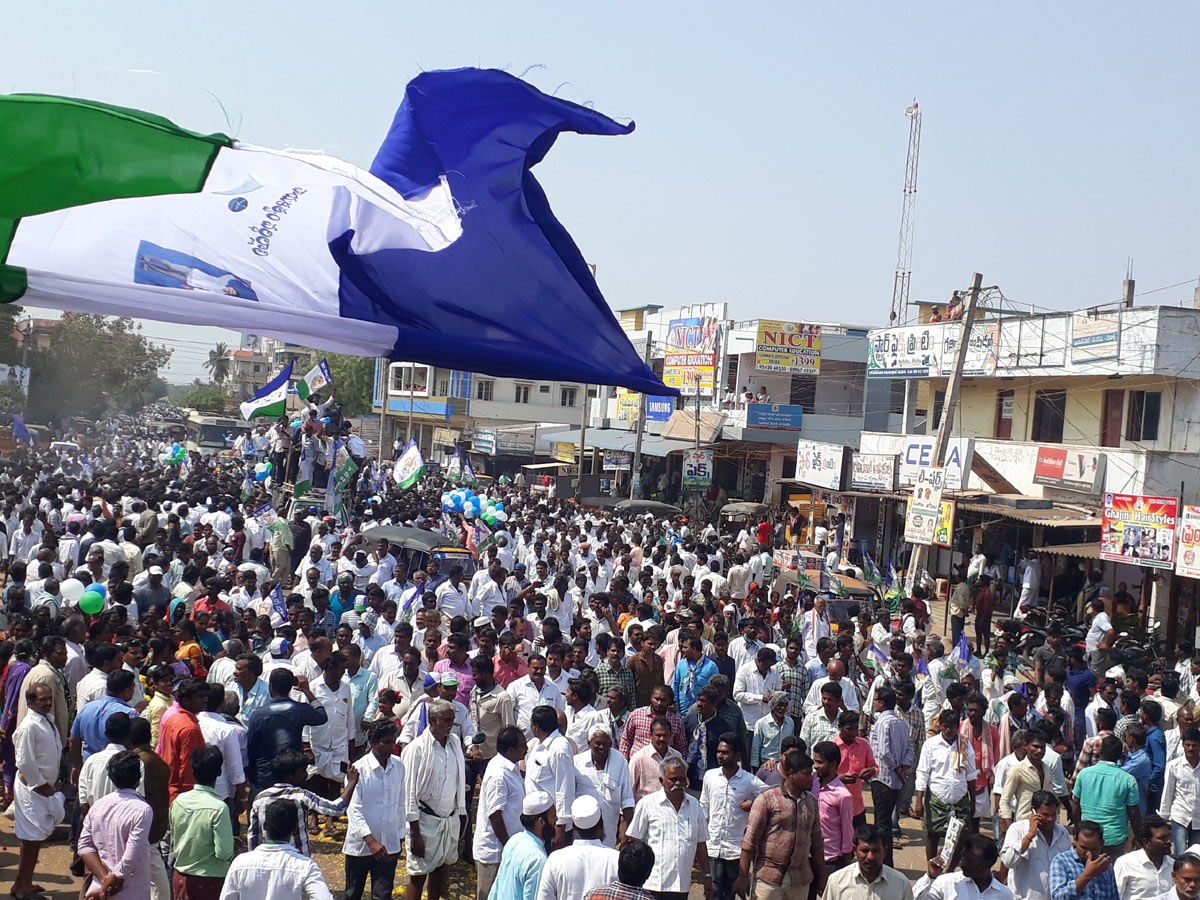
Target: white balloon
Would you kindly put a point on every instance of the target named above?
(72, 589)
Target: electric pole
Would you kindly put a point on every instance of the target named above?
(583, 423)
(920, 554)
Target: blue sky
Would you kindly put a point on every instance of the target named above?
(769, 155)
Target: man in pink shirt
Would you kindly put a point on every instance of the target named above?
(834, 805)
(857, 764)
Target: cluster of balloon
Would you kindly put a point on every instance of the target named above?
(474, 506)
(261, 471)
(90, 598)
(176, 454)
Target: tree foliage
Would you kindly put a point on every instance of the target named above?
(12, 398)
(199, 395)
(93, 364)
(9, 353)
(219, 363)
(353, 382)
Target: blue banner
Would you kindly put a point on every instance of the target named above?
(774, 416)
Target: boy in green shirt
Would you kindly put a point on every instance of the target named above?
(201, 831)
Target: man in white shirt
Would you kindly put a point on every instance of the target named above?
(723, 796)
(1180, 804)
(532, 690)
(975, 880)
(452, 596)
(550, 767)
(228, 737)
(1145, 874)
(753, 685)
(945, 784)
(605, 775)
(1029, 846)
(375, 827)
(501, 791)
(434, 799)
(674, 816)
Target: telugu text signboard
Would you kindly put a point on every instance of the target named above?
(1187, 561)
(1070, 469)
(925, 506)
(819, 464)
(791, 347)
(1094, 337)
(776, 416)
(515, 443)
(697, 468)
(927, 351)
(873, 471)
(1139, 530)
(690, 361)
(628, 404)
(564, 451)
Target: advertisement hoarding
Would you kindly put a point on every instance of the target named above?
(873, 471)
(1069, 469)
(776, 416)
(1187, 562)
(819, 464)
(1139, 530)
(791, 347)
(690, 361)
(697, 468)
(927, 351)
(1094, 337)
(925, 506)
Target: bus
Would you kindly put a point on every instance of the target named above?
(209, 432)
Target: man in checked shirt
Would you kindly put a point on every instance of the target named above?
(891, 744)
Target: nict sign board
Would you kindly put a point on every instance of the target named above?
(791, 347)
(819, 464)
(1139, 530)
(925, 506)
(697, 468)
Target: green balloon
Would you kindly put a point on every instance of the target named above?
(91, 602)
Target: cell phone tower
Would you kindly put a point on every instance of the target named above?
(908, 213)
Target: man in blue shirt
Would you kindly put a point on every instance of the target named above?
(279, 725)
(524, 855)
(1137, 763)
(1085, 871)
(692, 672)
(87, 732)
(1156, 749)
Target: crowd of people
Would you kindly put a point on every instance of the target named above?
(609, 706)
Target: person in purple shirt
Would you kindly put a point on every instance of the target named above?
(14, 678)
(114, 842)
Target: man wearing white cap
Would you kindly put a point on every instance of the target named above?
(572, 872)
(524, 855)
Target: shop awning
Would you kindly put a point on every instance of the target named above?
(615, 439)
(1082, 551)
(1051, 518)
(550, 465)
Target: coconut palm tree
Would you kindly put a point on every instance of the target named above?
(219, 363)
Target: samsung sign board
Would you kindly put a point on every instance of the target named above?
(916, 452)
(659, 409)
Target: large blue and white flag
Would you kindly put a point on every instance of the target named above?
(445, 252)
(20, 432)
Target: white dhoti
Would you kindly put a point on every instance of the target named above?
(35, 816)
(983, 804)
(441, 844)
(327, 762)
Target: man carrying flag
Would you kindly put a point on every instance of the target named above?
(409, 467)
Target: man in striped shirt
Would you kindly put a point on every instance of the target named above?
(636, 734)
(891, 744)
(291, 771)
